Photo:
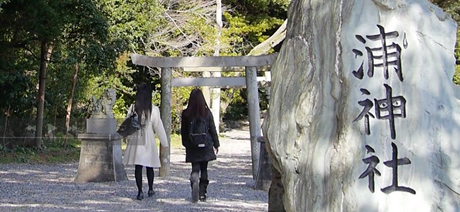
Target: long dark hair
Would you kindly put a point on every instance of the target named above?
(197, 106)
(143, 104)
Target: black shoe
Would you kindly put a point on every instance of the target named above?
(151, 193)
(202, 198)
(140, 195)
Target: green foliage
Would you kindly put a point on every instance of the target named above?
(97, 37)
(119, 110)
(453, 8)
(3, 2)
(176, 141)
(457, 75)
(251, 22)
(132, 21)
(130, 24)
(236, 98)
(3, 148)
(237, 109)
(179, 103)
(77, 33)
(269, 8)
(55, 152)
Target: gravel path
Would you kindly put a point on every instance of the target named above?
(26, 187)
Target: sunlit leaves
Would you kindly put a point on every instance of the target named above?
(453, 8)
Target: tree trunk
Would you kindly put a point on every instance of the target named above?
(6, 124)
(69, 105)
(272, 41)
(45, 55)
(215, 92)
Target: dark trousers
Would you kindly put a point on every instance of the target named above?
(202, 168)
(138, 176)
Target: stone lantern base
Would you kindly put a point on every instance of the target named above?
(100, 158)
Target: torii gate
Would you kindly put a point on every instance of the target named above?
(251, 63)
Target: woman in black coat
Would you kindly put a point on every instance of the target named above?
(199, 156)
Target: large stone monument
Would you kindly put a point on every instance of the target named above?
(364, 115)
(100, 156)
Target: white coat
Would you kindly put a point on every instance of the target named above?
(141, 148)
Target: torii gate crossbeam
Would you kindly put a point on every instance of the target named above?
(167, 63)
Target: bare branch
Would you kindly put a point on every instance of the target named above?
(180, 34)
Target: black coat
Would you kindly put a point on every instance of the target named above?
(198, 154)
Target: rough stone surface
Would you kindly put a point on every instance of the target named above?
(276, 192)
(316, 129)
(101, 125)
(264, 175)
(100, 159)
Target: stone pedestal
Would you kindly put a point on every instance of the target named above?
(276, 192)
(101, 125)
(264, 175)
(100, 158)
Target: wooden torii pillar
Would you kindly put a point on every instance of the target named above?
(250, 81)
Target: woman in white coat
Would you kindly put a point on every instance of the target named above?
(142, 149)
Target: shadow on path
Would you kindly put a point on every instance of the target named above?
(26, 187)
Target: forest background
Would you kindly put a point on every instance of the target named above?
(56, 54)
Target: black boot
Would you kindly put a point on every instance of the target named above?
(194, 184)
(203, 189)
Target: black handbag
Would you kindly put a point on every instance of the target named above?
(130, 125)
